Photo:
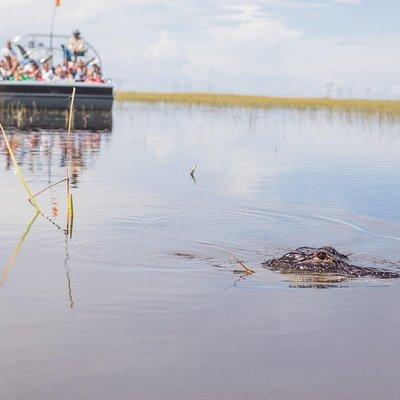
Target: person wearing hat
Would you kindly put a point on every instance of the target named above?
(76, 45)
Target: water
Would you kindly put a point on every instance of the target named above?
(143, 303)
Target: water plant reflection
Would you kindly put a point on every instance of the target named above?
(17, 249)
(12, 259)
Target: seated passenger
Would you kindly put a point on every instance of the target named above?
(79, 74)
(16, 76)
(70, 71)
(10, 57)
(34, 73)
(84, 71)
(3, 71)
(93, 77)
(76, 45)
(89, 76)
(47, 72)
(27, 67)
(59, 74)
(39, 76)
(97, 74)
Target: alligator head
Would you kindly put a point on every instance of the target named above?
(323, 260)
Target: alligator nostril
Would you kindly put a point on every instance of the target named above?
(321, 255)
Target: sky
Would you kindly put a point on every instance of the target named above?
(340, 48)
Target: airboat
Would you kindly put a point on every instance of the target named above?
(40, 100)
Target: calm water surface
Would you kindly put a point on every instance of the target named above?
(143, 303)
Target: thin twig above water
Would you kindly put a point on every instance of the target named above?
(247, 270)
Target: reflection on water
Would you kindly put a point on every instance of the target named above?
(305, 281)
(44, 152)
(68, 272)
(31, 118)
(262, 174)
(11, 260)
(146, 298)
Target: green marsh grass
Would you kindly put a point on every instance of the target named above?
(379, 108)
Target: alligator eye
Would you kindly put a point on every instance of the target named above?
(321, 255)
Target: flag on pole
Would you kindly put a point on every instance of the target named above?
(58, 3)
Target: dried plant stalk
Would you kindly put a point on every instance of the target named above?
(48, 187)
(70, 209)
(247, 270)
(70, 213)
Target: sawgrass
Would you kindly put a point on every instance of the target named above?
(380, 108)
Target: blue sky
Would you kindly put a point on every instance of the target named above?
(270, 47)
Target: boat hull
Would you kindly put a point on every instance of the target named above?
(54, 96)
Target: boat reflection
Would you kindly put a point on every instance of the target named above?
(45, 152)
(25, 117)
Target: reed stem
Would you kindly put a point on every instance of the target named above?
(70, 209)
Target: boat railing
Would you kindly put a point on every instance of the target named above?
(43, 47)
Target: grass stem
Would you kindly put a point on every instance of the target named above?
(247, 270)
(70, 209)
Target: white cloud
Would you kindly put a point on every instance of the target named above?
(166, 51)
(254, 46)
(248, 23)
(294, 4)
(351, 2)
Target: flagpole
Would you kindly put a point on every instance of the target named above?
(52, 30)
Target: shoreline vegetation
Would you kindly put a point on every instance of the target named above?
(377, 108)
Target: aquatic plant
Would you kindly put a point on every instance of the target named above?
(70, 202)
(247, 270)
(380, 108)
(31, 196)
